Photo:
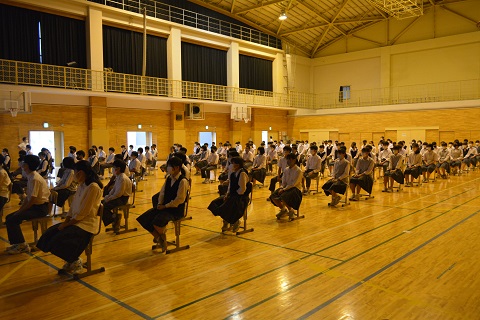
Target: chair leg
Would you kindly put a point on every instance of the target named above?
(126, 214)
(244, 227)
(87, 265)
(297, 216)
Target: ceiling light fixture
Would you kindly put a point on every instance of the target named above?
(283, 16)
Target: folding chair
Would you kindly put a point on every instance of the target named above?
(88, 252)
(54, 195)
(177, 225)
(297, 215)
(346, 202)
(42, 222)
(245, 217)
(317, 179)
(126, 212)
(10, 186)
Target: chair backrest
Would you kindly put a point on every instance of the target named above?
(187, 200)
(100, 215)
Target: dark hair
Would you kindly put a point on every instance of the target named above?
(342, 151)
(28, 146)
(233, 154)
(174, 162)
(414, 145)
(118, 156)
(41, 154)
(135, 154)
(291, 156)
(314, 147)
(5, 150)
(430, 146)
(81, 153)
(183, 150)
(100, 147)
(31, 161)
(365, 150)
(287, 148)
(111, 149)
(213, 148)
(91, 152)
(120, 164)
(68, 162)
(181, 156)
(397, 147)
(147, 148)
(140, 150)
(261, 150)
(122, 146)
(72, 148)
(90, 175)
(237, 160)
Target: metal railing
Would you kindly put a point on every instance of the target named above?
(188, 18)
(35, 74)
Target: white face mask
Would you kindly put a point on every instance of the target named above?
(169, 170)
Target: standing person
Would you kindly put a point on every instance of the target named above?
(35, 206)
(23, 144)
(6, 160)
(4, 183)
(67, 240)
(154, 152)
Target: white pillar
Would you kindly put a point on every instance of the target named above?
(174, 61)
(95, 47)
(278, 70)
(233, 71)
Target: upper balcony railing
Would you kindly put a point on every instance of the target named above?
(43, 75)
(196, 20)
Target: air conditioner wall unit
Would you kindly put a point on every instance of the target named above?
(194, 111)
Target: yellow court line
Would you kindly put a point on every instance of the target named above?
(9, 274)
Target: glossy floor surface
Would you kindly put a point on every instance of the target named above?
(405, 255)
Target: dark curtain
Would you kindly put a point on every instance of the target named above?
(256, 73)
(63, 41)
(19, 34)
(204, 64)
(123, 52)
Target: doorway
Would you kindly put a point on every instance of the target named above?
(207, 137)
(265, 137)
(51, 140)
(139, 139)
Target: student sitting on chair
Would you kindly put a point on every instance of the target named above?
(108, 162)
(470, 157)
(384, 156)
(289, 196)
(212, 162)
(4, 183)
(430, 159)
(170, 204)
(202, 161)
(232, 206)
(148, 157)
(362, 179)
(35, 206)
(143, 161)
(259, 171)
(443, 165)
(247, 157)
(93, 160)
(223, 177)
(313, 167)
(101, 155)
(125, 154)
(135, 167)
(118, 195)
(394, 171)
(414, 165)
(282, 165)
(272, 157)
(337, 185)
(67, 240)
(154, 152)
(42, 168)
(66, 186)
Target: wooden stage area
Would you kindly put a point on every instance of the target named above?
(405, 255)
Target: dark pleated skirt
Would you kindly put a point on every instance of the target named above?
(201, 164)
(259, 175)
(456, 163)
(365, 182)
(415, 172)
(63, 195)
(429, 168)
(231, 210)
(292, 197)
(397, 175)
(67, 244)
(337, 186)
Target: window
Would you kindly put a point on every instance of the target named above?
(40, 41)
(344, 93)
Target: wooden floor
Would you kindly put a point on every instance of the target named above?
(407, 255)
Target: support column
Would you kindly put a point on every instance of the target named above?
(97, 122)
(233, 71)
(174, 61)
(278, 75)
(177, 123)
(95, 47)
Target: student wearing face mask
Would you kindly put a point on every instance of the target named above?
(35, 206)
(430, 159)
(66, 186)
(67, 240)
(168, 204)
(456, 157)
(118, 195)
(470, 157)
(414, 165)
(443, 165)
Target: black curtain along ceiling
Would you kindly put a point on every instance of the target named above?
(123, 52)
(256, 73)
(204, 64)
(63, 39)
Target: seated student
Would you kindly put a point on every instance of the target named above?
(143, 161)
(135, 167)
(430, 159)
(4, 183)
(247, 156)
(118, 195)
(111, 182)
(6, 160)
(67, 240)
(43, 166)
(202, 161)
(80, 154)
(185, 165)
(272, 157)
(456, 157)
(394, 171)
(148, 157)
(259, 167)
(470, 158)
(49, 159)
(170, 205)
(282, 165)
(93, 160)
(424, 148)
(66, 186)
(223, 177)
(72, 153)
(212, 162)
(231, 206)
(313, 166)
(443, 165)
(338, 183)
(102, 156)
(384, 156)
(353, 150)
(163, 167)
(124, 153)
(289, 197)
(363, 177)
(18, 171)
(35, 206)
(414, 165)
(108, 162)
(130, 150)
(154, 152)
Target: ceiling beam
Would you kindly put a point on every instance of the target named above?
(368, 40)
(312, 54)
(286, 10)
(260, 5)
(233, 6)
(459, 14)
(338, 22)
(304, 28)
(392, 42)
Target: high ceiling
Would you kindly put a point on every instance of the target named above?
(312, 25)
